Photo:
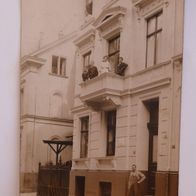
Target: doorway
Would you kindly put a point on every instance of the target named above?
(152, 125)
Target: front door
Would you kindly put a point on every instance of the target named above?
(153, 108)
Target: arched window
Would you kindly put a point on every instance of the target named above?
(56, 105)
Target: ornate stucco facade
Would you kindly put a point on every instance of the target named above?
(146, 100)
(116, 120)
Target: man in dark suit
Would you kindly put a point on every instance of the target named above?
(121, 67)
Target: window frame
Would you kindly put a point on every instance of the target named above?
(60, 67)
(87, 54)
(84, 148)
(153, 34)
(104, 187)
(116, 52)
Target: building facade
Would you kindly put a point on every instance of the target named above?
(134, 117)
(47, 88)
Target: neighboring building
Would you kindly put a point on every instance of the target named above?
(47, 90)
(131, 119)
(47, 82)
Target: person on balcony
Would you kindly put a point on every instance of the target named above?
(85, 74)
(105, 66)
(92, 70)
(121, 67)
(134, 182)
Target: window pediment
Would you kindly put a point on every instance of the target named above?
(85, 39)
(110, 20)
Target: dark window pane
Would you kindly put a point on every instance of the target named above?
(105, 188)
(63, 66)
(111, 132)
(84, 137)
(55, 64)
(86, 59)
(158, 47)
(89, 7)
(114, 52)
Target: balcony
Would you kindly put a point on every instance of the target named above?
(102, 91)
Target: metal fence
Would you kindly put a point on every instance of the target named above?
(53, 180)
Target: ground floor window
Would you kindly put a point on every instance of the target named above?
(111, 132)
(80, 185)
(84, 136)
(105, 188)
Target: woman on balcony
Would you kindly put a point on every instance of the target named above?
(105, 66)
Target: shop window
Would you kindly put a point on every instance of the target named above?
(153, 40)
(114, 51)
(105, 188)
(84, 136)
(89, 7)
(58, 65)
(111, 132)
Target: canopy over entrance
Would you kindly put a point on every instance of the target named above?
(58, 146)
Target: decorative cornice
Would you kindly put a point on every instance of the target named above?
(147, 86)
(109, 4)
(79, 109)
(154, 67)
(36, 117)
(31, 61)
(142, 3)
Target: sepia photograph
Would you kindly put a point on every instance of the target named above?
(100, 97)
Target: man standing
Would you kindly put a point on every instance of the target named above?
(135, 178)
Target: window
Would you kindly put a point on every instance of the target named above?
(105, 189)
(84, 136)
(86, 59)
(55, 64)
(89, 7)
(80, 185)
(153, 45)
(114, 51)
(59, 65)
(111, 132)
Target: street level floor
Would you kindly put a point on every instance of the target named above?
(28, 194)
